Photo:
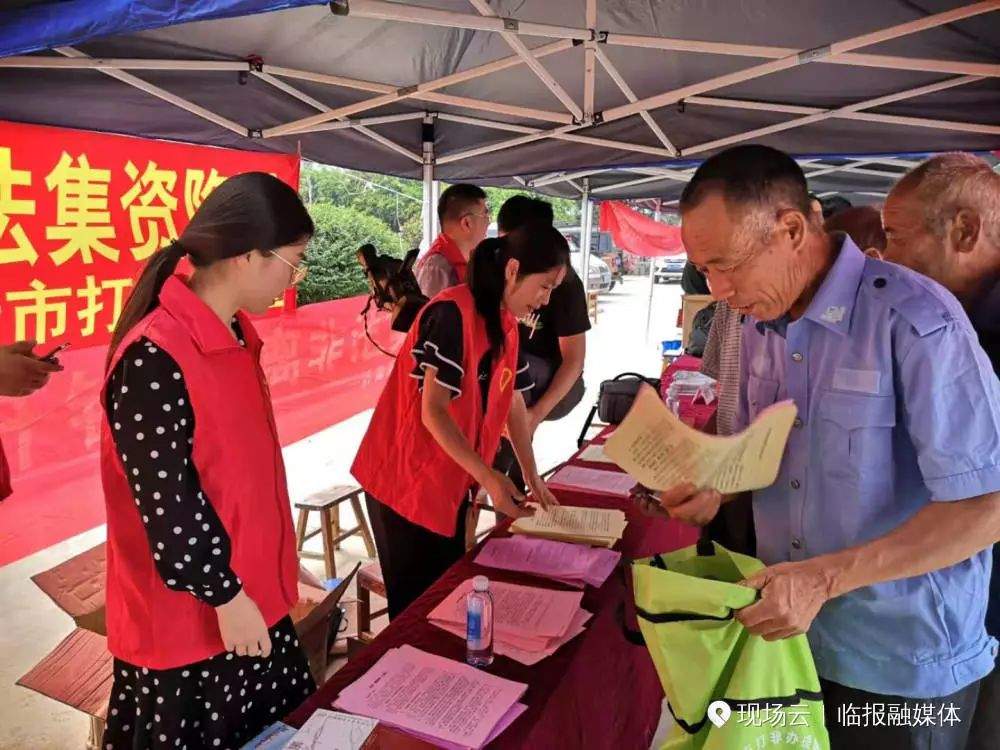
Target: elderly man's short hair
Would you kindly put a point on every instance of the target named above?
(947, 183)
(747, 175)
(756, 179)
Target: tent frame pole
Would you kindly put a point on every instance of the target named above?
(779, 58)
(589, 140)
(803, 57)
(360, 125)
(852, 59)
(425, 91)
(827, 114)
(589, 63)
(753, 72)
(429, 203)
(631, 96)
(967, 127)
(159, 93)
(522, 51)
(552, 179)
(586, 230)
(392, 11)
(652, 281)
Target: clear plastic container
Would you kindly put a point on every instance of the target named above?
(479, 623)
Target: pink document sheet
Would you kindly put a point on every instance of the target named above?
(521, 651)
(519, 611)
(573, 564)
(441, 700)
(598, 481)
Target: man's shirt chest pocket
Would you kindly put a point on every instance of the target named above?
(855, 434)
(761, 393)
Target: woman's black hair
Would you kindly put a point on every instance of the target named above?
(538, 248)
(252, 211)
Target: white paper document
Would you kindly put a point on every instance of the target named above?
(332, 730)
(600, 527)
(660, 451)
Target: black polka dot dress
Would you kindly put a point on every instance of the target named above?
(224, 701)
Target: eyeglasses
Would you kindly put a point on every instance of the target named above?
(299, 272)
(484, 215)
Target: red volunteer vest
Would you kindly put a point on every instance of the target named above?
(400, 462)
(238, 458)
(446, 247)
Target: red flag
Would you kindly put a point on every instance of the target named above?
(639, 234)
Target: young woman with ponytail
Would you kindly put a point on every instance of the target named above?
(455, 387)
(202, 566)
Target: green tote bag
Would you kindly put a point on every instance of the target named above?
(727, 689)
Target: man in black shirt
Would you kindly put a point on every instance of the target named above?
(943, 220)
(553, 342)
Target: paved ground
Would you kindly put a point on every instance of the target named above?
(30, 625)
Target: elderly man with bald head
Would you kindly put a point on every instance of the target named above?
(878, 528)
(943, 220)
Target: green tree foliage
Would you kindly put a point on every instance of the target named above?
(394, 201)
(351, 208)
(567, 212)
(334, 271)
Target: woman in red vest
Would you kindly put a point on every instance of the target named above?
(454, 388)
(202, 566)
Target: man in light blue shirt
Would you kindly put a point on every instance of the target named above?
(878, 528)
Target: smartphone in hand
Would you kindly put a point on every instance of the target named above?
(51, 356)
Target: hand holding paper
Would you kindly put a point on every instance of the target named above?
(663, 453)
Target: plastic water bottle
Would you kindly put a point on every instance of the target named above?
(479, 623)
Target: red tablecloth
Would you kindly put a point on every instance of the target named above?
(697, 415)
(598, 691)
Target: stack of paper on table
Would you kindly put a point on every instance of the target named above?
(661, 452)
(332, 730)
(528, 623)
(439, 700)
(571, 564)
(594, 481)
(598, 527)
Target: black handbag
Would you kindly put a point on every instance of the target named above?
(615, 399)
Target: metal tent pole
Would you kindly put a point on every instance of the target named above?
(586, 222)
(652, 280)
(429, 214)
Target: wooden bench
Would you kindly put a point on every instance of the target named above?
(327, 503)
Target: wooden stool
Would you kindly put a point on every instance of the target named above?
(369, 581)
(327, 503)
(77, 673)
(592, 305)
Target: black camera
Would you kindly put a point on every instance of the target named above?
(394, 287)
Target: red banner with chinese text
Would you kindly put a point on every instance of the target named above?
(80, 213)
